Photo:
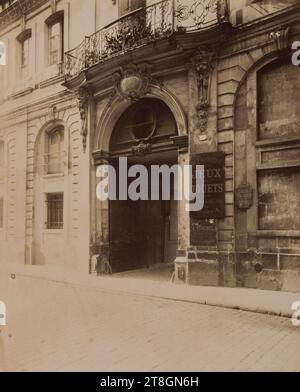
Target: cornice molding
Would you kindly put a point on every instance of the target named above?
(56, 99)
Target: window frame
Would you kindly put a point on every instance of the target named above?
(269, 145)
(50, 224)
(131, 7)
(55, 18)
(23, 38)
(61, 149)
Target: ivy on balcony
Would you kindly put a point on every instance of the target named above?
(141, 27)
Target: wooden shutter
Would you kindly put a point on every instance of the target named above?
(126, 6)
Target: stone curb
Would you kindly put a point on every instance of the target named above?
(261, 301)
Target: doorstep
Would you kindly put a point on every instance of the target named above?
(261, 301)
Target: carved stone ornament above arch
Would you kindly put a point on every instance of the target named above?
(117, 106)
(132, 82)
(281, 38)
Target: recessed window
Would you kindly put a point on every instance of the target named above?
(126, 6)
(1, 212)
(55, 25)
(24, 39)
(55, 44)
(54, 207)
(25, 53)
(278, 104)
(279, 199)
(54, 150)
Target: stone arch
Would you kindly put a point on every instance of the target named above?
(256, 66)
(114, 109)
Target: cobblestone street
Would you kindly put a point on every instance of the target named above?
(55, 326)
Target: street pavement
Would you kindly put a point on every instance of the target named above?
(55, 326)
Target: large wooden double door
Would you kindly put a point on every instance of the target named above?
(142, 233)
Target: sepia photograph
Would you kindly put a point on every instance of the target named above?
(149, 189)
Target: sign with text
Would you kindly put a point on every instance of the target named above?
(214, 185)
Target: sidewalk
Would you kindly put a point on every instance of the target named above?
(268, 302)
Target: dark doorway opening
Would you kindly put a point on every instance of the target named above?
(144, 233)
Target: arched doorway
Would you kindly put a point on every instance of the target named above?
(143, 232)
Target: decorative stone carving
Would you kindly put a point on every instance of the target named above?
(52, 112)
(142, 149)
(281, 38)
(133, 82)
(202, 65)
(83, 104)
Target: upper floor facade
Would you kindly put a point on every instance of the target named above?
(47, 41)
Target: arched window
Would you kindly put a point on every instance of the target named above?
(267, 155)
(278, 136)
(53, 151)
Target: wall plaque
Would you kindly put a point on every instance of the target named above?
(203, 232)
(214, 185)
(244, 197)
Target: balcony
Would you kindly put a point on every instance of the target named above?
(141, 27)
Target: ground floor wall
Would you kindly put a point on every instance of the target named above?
(27, 237)
(221, 109)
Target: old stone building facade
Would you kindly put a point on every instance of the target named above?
(167, 82)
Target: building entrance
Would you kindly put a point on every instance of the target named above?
(144, 232)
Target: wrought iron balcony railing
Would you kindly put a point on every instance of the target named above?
(141, 27)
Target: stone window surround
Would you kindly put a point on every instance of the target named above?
(56, 17)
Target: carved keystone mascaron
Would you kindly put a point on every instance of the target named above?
(281, 38)
(133, 81)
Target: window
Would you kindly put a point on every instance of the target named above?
(24, 39)
(55, 25)
(126, 6)
(54, 149)
(1, 213)
(24, 53)
(279, 199)
(279, 95)
(54, 206)
(278, 147)
(55, 42)
(1, 161)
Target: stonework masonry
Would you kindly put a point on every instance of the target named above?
(227, 86)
